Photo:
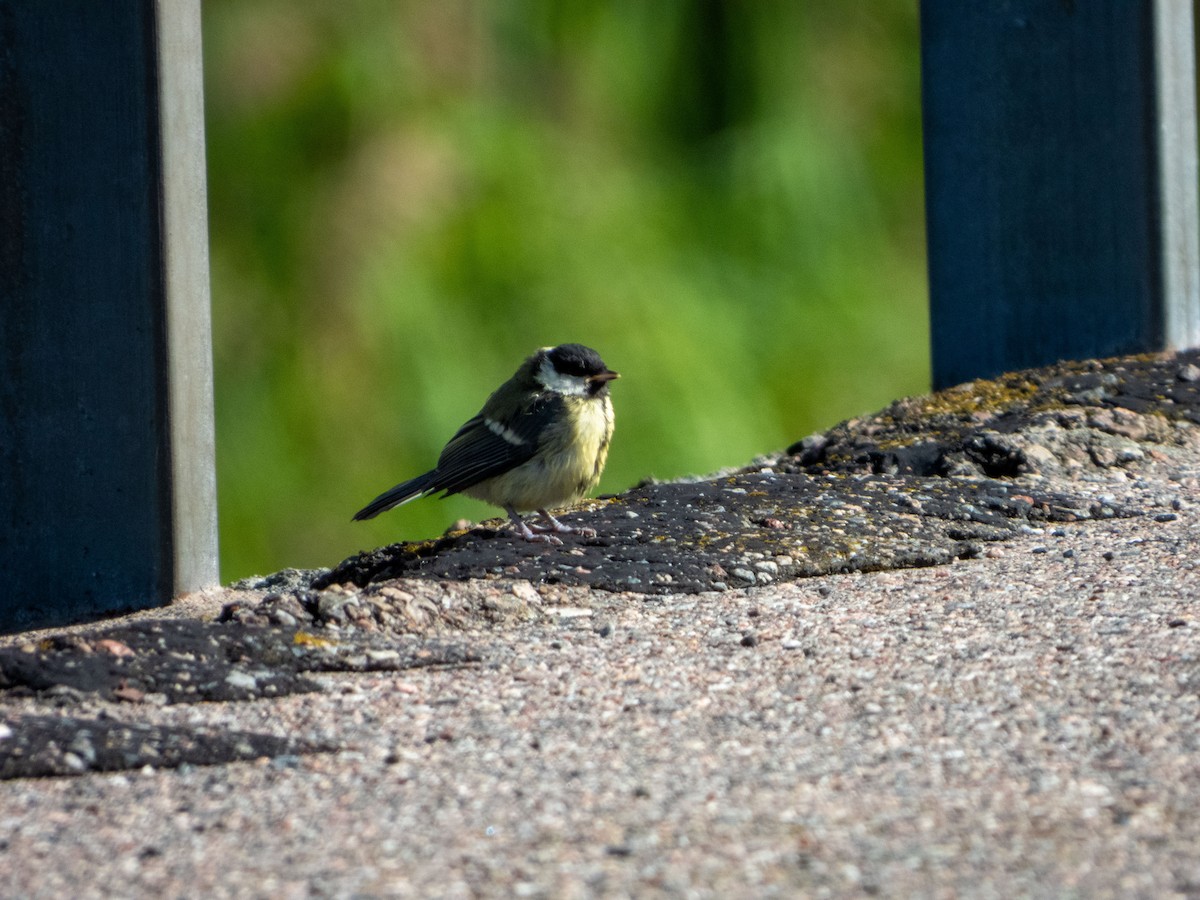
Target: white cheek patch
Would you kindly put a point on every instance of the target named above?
(553, 380)
(503, 431)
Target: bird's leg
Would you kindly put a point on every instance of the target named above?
(558, 526)
(528, 533)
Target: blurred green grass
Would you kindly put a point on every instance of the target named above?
(406, 198)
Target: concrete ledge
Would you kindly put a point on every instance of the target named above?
(1021, 721)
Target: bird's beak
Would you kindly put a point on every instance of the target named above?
(606, 375)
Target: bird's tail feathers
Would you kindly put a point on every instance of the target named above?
(401, 493)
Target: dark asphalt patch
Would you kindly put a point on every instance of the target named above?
(186, 661)
(42, 746)
(740, 530)
(172, 661)
(925, 481)
(178, 661)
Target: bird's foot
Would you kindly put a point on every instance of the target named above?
(559, 527)
(540, 537)
(533, 536)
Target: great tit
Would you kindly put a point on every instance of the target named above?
(540, 441)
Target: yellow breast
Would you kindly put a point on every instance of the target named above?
(570, 458)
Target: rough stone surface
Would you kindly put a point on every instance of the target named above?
(1062, 420)
(871, 493)
(1023, 721)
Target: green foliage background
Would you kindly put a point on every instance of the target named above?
(406, 198)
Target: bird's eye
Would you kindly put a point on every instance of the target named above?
(571, 368)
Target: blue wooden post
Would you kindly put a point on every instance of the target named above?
(107, 489)
(1061, 189)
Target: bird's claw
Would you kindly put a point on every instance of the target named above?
(559, 527)
(535, 536)
(544, 534)
(542, 538)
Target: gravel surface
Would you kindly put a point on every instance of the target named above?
(1022, 723)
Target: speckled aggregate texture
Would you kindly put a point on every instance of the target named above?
(745, 528)
(1021, 722)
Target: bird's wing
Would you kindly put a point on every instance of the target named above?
(483, 448)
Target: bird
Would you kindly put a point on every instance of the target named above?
(539, 442)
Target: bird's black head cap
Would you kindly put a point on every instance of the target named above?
(576, 359)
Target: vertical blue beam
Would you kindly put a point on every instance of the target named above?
(106, 499)
(1061, 192)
